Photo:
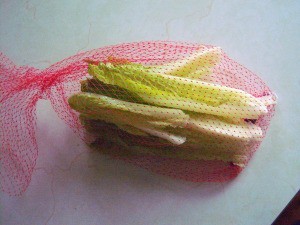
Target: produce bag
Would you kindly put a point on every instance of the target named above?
(178, 109)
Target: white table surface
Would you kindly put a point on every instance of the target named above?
(71, 185)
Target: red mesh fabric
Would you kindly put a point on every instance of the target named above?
(22, 86)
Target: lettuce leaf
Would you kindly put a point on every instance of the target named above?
(177, 92)
(113, 91)
(220, 127)
(124, 113)
(196, 65)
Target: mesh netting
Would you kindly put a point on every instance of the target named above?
(177, 109)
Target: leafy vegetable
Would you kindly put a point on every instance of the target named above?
(195, 66)
(217, 126)
(90, 103)
(181, 93)
(123, 113)
(170, 104)
(98, 87)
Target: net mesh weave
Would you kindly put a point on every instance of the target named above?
(211, 157)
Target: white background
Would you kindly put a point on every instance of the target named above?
(71, 185)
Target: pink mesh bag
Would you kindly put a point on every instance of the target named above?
(182, 110)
